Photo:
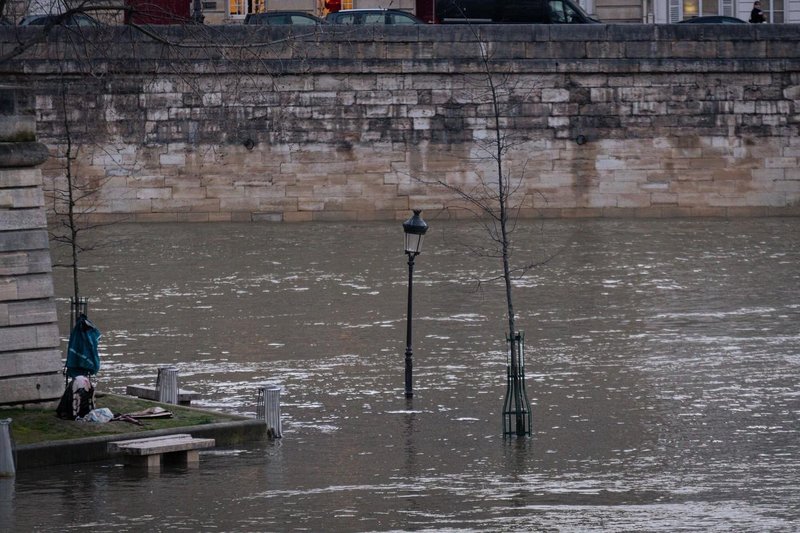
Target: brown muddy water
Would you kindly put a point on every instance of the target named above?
(663, 361)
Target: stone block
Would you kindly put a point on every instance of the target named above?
(35, 388)
(20, 177)
(610, 164)
(29, 337)
(30, 312)
(22, 219)
(240, 204)
(30, 362)
(148, 193)
(273, 216)
(217, 217)
(175, 205)
(225, 192)
(187, 192)
(663, 198)
(298, 216)
(26, 287)
(35, 239)
(277, 204)
(555, 95)
(21, 198)
(781, 162)
(24, 262)
(172, 159)
(632, 200)
(310, 204)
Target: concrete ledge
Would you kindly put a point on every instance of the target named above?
(96, 448)
(22, 154)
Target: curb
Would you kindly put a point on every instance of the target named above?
(92, 449)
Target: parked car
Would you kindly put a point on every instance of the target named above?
(295, 18)
(74, 19)
(373, 16)
(511, 12)
(157, 11)
(713, 19)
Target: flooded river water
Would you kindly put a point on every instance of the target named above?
(663, 361)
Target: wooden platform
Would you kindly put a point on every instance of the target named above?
(180, 449)
(185, 397)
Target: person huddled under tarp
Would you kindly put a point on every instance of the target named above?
(82, 362)
(77, 400)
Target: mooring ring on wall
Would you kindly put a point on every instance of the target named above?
(249, 143)
(580, 139)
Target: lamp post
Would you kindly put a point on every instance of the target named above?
(414, 229)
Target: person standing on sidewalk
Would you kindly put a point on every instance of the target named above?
(757, 15)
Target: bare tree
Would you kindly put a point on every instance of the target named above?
(74, 197)
(72, 200)
(495, 201)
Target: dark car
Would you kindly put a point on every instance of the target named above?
(295, 18)
(74, 19)
(713, 19)
(511, 12)
(373, 16)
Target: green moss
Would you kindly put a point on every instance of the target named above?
(31, 426)
(19, 137)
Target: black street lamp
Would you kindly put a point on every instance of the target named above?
(414, 228)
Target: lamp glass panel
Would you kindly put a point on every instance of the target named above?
(413, 243)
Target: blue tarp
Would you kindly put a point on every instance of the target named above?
(82, 356)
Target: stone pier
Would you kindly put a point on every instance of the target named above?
(30, 358)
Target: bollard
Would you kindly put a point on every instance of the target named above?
(6, 455)
(268, 409)
(167, 384)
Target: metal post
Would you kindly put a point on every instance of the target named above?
(517, 416)
(77, 308)
(167, 384)
(268, 409)
(409, 351)
(414, 229)
(6, 455)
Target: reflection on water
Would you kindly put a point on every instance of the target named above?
(662, 360)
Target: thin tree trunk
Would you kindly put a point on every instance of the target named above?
(71, 222)
(503, 192)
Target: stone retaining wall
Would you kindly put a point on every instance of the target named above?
(243, 123)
